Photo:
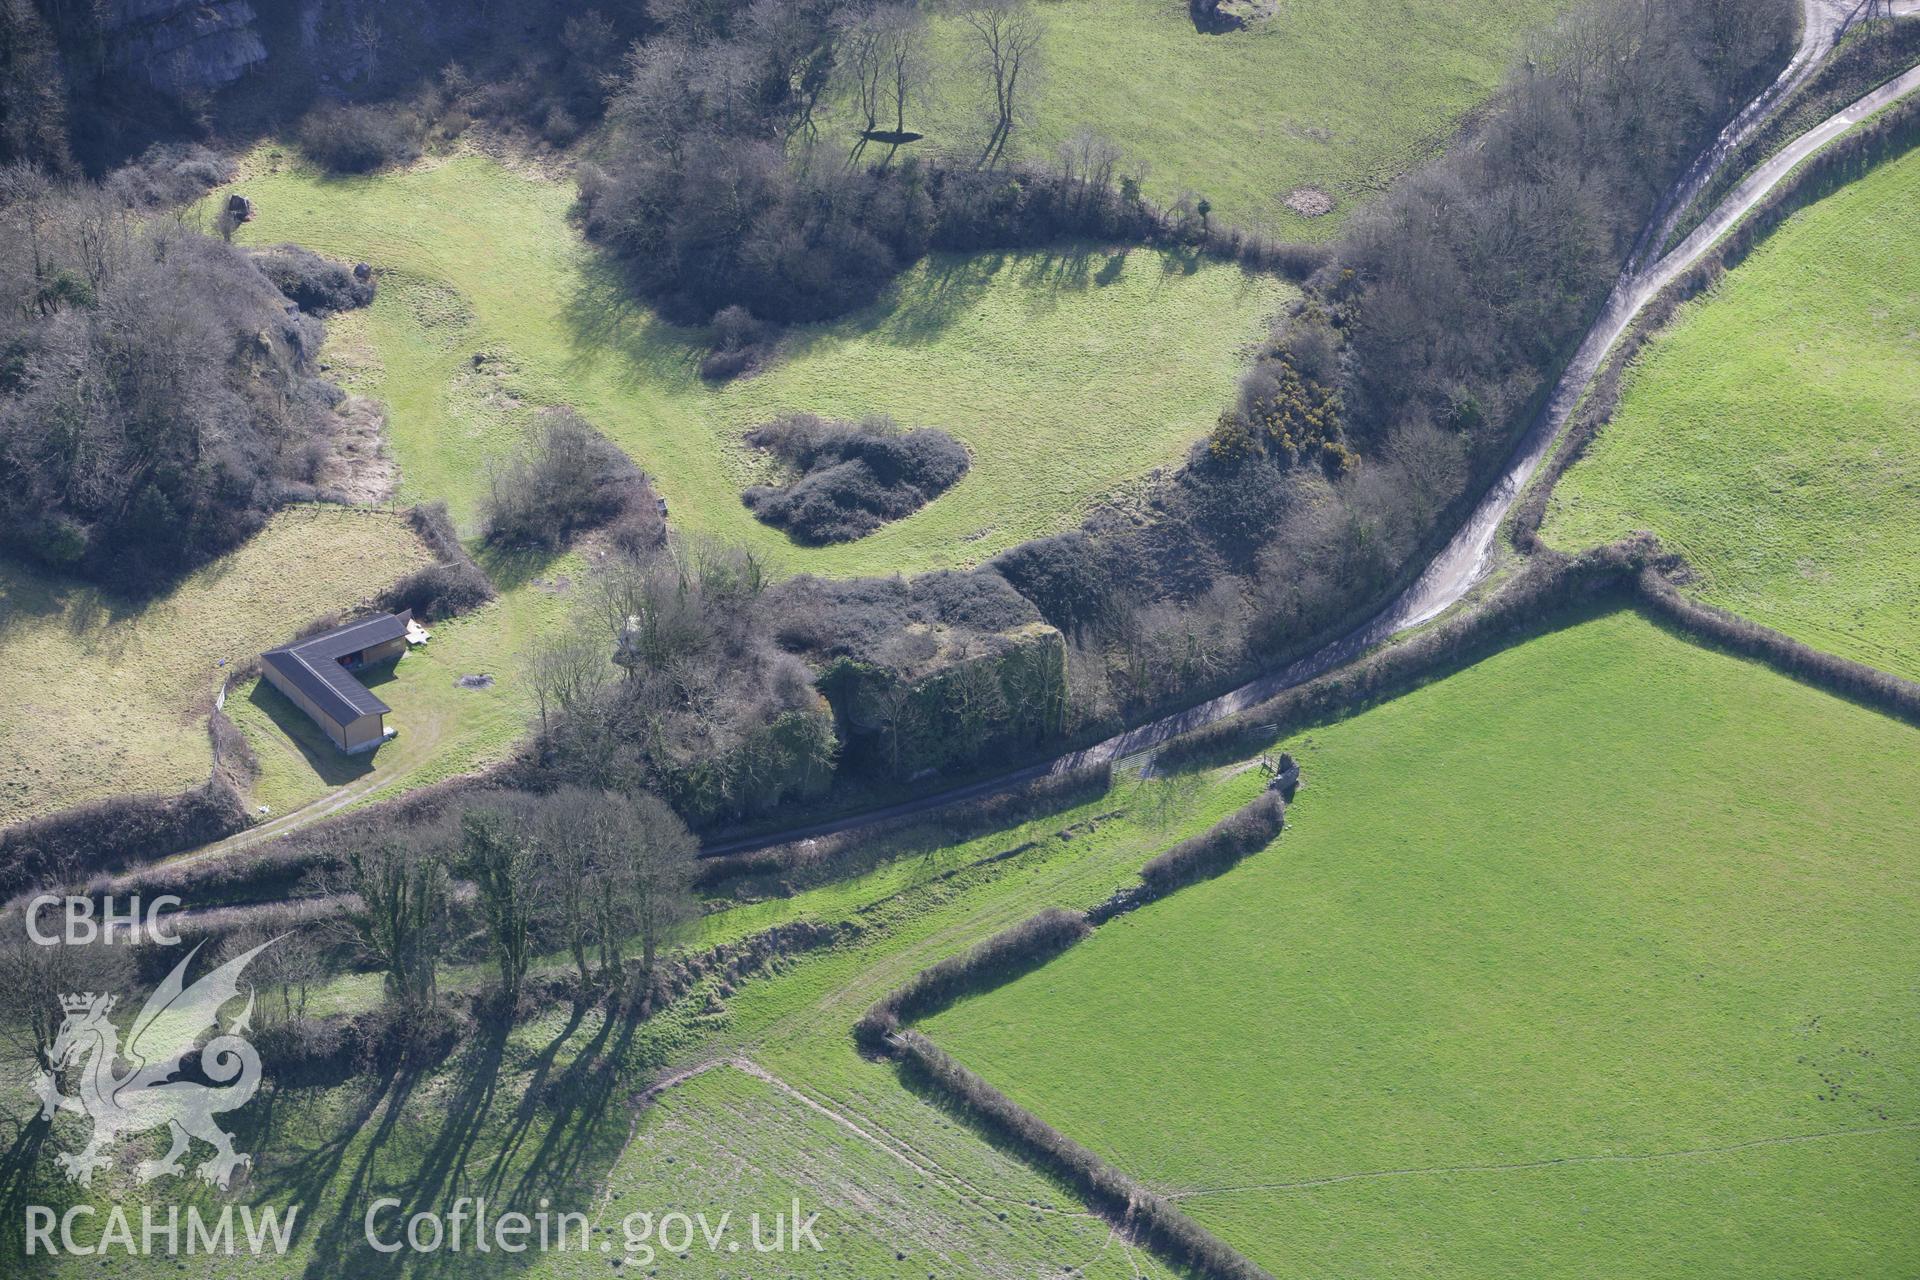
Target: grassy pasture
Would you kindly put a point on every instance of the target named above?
(1600, 949)
(1068, 374)
(545, 1112)
(1772, 434)
(1342, 95)
(105, 697)
(730, 1142)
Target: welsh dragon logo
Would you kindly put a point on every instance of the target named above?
(145, 1095)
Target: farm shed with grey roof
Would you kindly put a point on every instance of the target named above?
(316, 674)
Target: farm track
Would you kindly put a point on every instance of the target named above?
(1467, 557)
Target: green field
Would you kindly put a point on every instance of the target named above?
(1772, 434)
(1068, 374)
(1341, 95)
(1600, 949)
(550, 1110)
(106, 697)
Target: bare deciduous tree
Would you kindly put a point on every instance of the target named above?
(1005, 36)
(288, 968)
(497, 855)
(567, 669)
(396, 897)
(613, 867)
(34, 976)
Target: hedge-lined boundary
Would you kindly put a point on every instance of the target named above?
(1843, 677)
(117, 832)
(1215, 851)
(1001, 958)
(827, 855)
(277, 867)
(1546, 584)
(1149, 1218)
(1892, 133)
(1023, 948)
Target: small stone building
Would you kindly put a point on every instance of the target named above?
(316, 674)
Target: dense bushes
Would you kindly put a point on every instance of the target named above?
(853, 477)
(155, 396)
(111, 834)
(446, 588)
(360, 139)
(569, 479)
(315, 284)
(1001, 958)
(811, 244)
(668, 681)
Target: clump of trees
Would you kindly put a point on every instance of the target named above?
(315, 284)
(719, 192)
(668, 680)
(1397, 386)
(156, 398)
(577, 871)
(852, 476)
(360, 139)
(568, 479)
(397, 900)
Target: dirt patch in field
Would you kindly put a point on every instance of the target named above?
(482, 681)
(1309, 202)
(357, 466)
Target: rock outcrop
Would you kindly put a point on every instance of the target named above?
(180, 46)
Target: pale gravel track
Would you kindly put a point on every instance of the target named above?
(1467, 557)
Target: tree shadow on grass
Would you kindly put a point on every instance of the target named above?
(511, 568)
(453, 1120)
(342, 1234)
(21, 1185)
(530, 1096)
(610, 326)
(579, 1099)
